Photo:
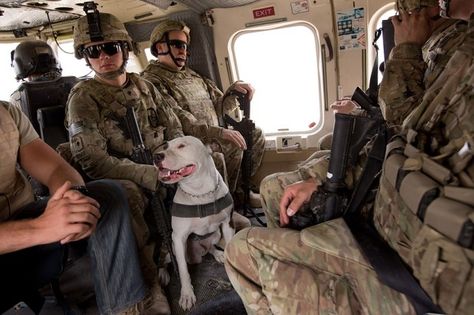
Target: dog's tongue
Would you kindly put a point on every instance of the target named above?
(169, 175)
(187, 170)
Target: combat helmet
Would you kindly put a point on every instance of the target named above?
(34, 57)
(111, 30)
(410, 5)
(163, 28)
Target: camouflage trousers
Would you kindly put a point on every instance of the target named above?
(319, 270)
(273, 186)
(271, 191)
(233, 158)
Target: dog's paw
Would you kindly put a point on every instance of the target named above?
(218, 255)
(164, 276)
(187, 299)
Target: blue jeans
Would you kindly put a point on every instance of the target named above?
(118, 280)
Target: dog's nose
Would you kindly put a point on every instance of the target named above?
(158, 158)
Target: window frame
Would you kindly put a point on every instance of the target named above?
(372, 27)
(319, 102)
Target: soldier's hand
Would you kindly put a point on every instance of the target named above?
(343, 106)
(245, 88)
(294, 196)
(412, 27)
(235, 137)
(67, 219)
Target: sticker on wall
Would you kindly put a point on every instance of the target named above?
(299, 6)
(263, 12)
(351, 29)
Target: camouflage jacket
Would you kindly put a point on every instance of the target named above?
(412, 69)
(197, 101)
(100, 141)
(437, 140)
(439, 137)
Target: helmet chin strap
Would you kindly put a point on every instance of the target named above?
(444, 6)
(112, 74)
(169, 52)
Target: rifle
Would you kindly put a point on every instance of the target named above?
(246, 127)
(350, 134)
(142, 155)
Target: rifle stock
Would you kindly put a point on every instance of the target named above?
(246, 128)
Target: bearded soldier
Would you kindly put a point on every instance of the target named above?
(96, 115)
(200, 99)
(423, 211)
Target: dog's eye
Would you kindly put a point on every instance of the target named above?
(181, 146)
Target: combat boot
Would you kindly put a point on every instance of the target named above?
(154, 303)
(254, 200)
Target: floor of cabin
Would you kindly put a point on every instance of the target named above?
(214, 292)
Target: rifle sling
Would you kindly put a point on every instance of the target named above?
(389, 267)
(387, 264)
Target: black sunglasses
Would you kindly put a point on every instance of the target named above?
(109, 49)
(178, 44)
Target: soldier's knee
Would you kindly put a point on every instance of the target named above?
(325, 142)
(269, 184)
(237, 246)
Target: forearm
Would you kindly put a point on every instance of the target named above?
(316, 169)
(191, 126)
(99, 164)
(17, 235)
(402, 86)
(61, 174)
(41, 162)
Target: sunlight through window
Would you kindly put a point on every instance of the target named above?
(283, 64)
(9, 83)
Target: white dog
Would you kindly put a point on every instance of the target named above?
(202, 204)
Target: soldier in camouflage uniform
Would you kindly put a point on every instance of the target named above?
(414, 65)
(33, 60)
(325, 262)
(99, 139)
(415, 62)
(202, 103)
(401, 86)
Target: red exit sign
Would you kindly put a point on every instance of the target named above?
(263, 12)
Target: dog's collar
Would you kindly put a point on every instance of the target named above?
(200, 211)
(205, 194)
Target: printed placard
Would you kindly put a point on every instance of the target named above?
(351, 29)
(300, 6)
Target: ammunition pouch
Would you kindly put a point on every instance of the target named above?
(429, 191)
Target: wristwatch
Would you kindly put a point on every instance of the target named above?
(82, 189)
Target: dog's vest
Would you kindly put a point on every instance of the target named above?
(203, 210)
